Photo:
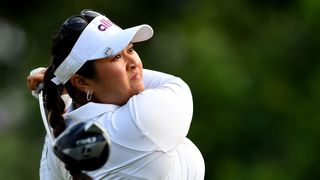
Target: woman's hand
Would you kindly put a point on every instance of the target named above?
(35, 78)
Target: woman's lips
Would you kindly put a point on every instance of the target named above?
(135, 77)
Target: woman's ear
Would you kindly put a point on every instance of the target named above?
(80, 82)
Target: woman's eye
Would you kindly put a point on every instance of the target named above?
(131, 49)
(116, 57)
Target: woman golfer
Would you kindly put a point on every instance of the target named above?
(146, 113)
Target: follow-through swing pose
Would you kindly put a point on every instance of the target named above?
(146, 113)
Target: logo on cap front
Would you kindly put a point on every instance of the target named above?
(108, 51)
(105, 24)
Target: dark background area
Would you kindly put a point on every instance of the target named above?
(252, 65)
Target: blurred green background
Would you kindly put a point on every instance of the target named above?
(252, 65)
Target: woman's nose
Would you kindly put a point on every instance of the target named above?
(131, 63)
(132, 66)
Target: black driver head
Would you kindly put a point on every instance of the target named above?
(84, 146)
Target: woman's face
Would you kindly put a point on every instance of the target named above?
(118, 78)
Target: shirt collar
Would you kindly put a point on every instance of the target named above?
(89, 111)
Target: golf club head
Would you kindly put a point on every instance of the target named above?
(85, 146)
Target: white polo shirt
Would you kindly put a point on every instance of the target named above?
(148, 135)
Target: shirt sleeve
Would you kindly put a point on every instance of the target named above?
(163, 112)
(43, 161)
(50, 167)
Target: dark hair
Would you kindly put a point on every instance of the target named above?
(62, 45)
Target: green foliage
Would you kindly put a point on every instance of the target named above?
(253, 67)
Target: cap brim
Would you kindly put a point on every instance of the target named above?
(118, 41)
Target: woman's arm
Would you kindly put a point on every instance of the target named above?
(164, 110)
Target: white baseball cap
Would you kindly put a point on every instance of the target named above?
(100, 39)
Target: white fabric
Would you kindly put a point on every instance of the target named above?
(101, 38)
(148, 134)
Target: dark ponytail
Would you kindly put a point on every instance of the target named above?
(54, 104)
(62, 45)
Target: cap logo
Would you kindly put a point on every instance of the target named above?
(105, 24)
(108, 51)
